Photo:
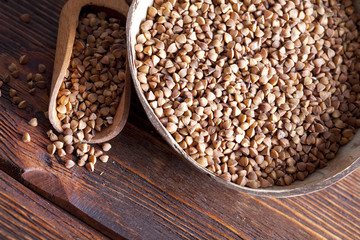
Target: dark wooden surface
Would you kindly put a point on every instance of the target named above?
(26, 215)
(146, 191)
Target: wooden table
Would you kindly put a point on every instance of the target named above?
(146, 191)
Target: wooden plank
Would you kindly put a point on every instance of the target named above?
(146, 191)
(26, 215)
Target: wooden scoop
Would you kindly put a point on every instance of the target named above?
(66, 36)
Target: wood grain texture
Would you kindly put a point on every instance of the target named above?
(26, 215)
(146, 191)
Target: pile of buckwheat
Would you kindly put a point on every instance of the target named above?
(90, 94)
(260, 93)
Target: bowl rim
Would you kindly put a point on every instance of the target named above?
(258, 192)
